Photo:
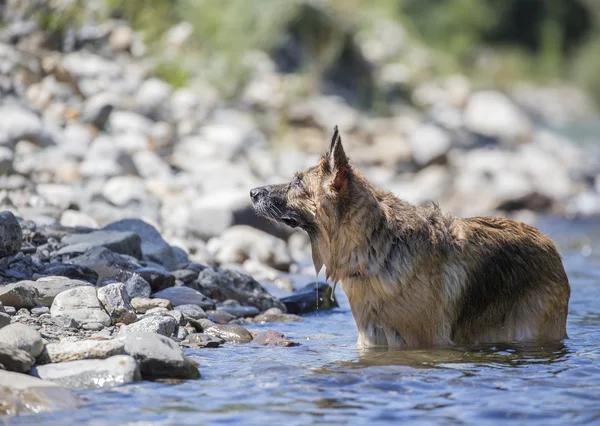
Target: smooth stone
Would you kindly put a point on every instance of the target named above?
(154, 247)
(305, 299)
(223, 284)
(84, 349)
(273, 338)
(275, 315)
(157, 311)
(24, 394)
(144, 304)
(186, 276)
(49, 287)
(428, 143)
(11, 235)
(185, 296)
(136, 286)
(91, 373)
(158, 279)
(159, 356)
(39, 310)
(81, 304)
(65, 321)
(19, 295)
(4, 319)
(230, 333)
(116, 302)
(128, 243)
(220, 317)
(192, 313)
(179, 317)
(14, 359)
(201, 340)
(74, 272)
(21, 336)
(93, 326)
(239, 311)
(10, 310)
(164, 325)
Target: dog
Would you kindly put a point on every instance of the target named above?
(415, 277)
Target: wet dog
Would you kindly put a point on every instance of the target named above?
(416, 277)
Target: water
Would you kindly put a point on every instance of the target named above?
(326, 380)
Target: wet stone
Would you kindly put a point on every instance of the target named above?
(220, 317)
(239, 311)
(164, 325)
(185, 296)
(143, 304)
(275, 315)
(273, 338)
(201, 340)
(305, 299)
(230, 333)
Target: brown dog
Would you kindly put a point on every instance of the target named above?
(416, 277)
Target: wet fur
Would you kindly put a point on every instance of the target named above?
(416, 277)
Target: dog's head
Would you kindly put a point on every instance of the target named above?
(313, 197)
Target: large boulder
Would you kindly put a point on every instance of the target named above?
(128, 243)
(13, 359)
(11, 235)
(49, 287)
(84, 349)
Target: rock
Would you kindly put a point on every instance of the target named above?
(185, 296)
(128, 122)
(23, 394)
(97, 108)
(19, 295)
(273, 338)
(152, 95)
(159, 356)
(151, 165)
(239, 311)
(219, 317)
(154, 248)
(158, 279)
(4, 319)
(88, 373)
(64, 321)
(239, 243)
(19, 123)
(429, 143)
(6, 160)
(10, 310)
(23, 337)
(230, 333)
(275, 315)
(121, 38)
(75, 272)
(93, 326)
(48, 287)
(116, 302)
(84, 349)
(223, 284)
(186, 276)
(123, 190)
(494, 115)
(39, 310)
(164, 325)
(11, 236)
(192, 313)
(136, 286)
(81, 304)
(14, 359)
(73, 218)
(127, 243)
(143, 304)
(305, 299)
(181, 320)
(201, 340)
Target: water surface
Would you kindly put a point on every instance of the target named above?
(327, 381)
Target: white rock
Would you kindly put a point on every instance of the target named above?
(72, 218)
(81, 304)
(429, 142)
(493, 114)
(152, 96)
(128, 122)
(115, 300)
(121, 190)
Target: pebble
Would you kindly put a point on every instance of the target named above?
(144, 304)
(232, 333)
(164, 325)
(23, 337)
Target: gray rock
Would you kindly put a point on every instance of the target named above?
(212, 214)
(223, 284)
(73, 218)
(185, 296)
(240, 311)
(48, 287)
(220, 317)
(10, 310)
(191, 312)
(93, 326)
(116, 302)
(159, 356)
(14, 359)
(64, 321)
(429, 143)
(164, 325)
(136, 286)
(154, 248)
(305, 300)
(123, 190)
(186, 276)
(143, 304)
(4, 319)
(157, 311)
(21, 336)
(127, 243)
(273, 338)
(6, 160)
(11, 235)
(88, 373)
(201, 340)
(82, 305)
(23, 394)
(239, 243)
(179, 317)
(18, 295)
(230, 333)
(493, 114)
(128, 122)
(84, 349)
(39, 310)
(152, 95)
(275, 315)
(20, 123)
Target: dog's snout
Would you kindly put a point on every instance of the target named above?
(256, 193)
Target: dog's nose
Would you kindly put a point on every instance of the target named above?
(256, 193)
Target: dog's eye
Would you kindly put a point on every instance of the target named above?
(298, 183)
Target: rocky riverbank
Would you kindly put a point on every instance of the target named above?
(83, 307)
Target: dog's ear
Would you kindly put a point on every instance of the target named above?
(338, 162)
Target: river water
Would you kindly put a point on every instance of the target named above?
(326, 380)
